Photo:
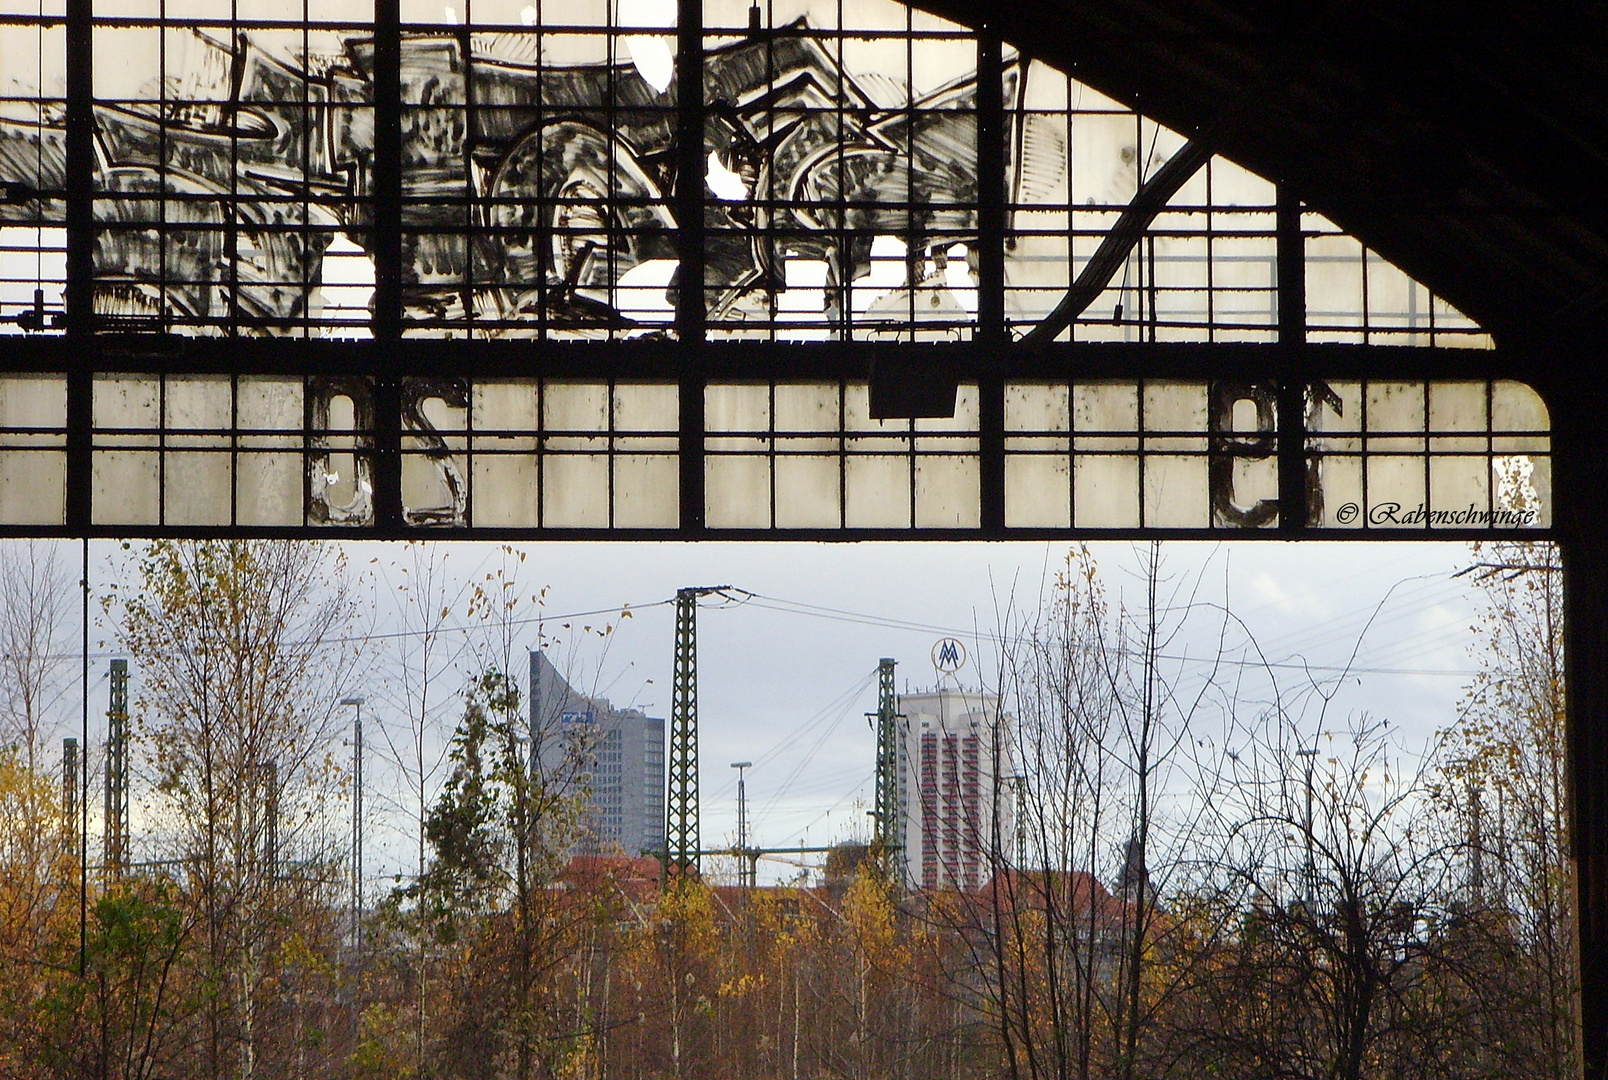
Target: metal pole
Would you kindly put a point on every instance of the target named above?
(742, 825)
(357, 823)
(681, 804)
(83, 801)
(886, 823)
(1307, 885)
(357, 869)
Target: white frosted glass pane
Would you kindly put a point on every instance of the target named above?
(1341, 479)
(128, 62)
(196, 486)
(328, 11)
(1105, 492)
(878, 495)
(126, 403)
(575, 491)
(1105, 159)
(1459, 484)
(808, 492)
(125, 488)
(807, 407)
(1516, 407)
(428, 490)
(33, 401)
(1395, 301)
(1043, 176)
(1105, 407)
(1176, 492)
(439, 414)
(1181, 264)
(21, 49)
(33, 487)
(647, 491)
(1175, 407)
(270, 404)
(1233, 185)
(647, 407)
(737, 408)
(1255, 481)
(1245, 263)
(946, 493)
(1334, 281)
(1031, 407)
(1457, 406)
(1395, 407)
(198, 402)
(576, 406)
(737, 492)
(1337, 407)
(1395, 491)
(506, 406)
(1038, 491)
(269, 489)
(504, 491)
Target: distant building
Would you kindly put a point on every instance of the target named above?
(614, 757)
(948, 776)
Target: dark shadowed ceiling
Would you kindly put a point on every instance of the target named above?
(1466, 142)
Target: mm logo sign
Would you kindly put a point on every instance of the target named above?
(949, 656)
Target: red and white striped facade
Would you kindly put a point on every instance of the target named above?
(949, 772)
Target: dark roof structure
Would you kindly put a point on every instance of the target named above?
(1468, 143)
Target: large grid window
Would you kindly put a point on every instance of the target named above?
(1404, 455)
(234, 138)
(33, 90)
(265, 451)
(33, 454)
(810, 456)
(842, 154)
(537, 180)
(1140, 454)
(914, 205)
(540, 187)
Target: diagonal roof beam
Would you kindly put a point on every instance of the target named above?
(1151, 198)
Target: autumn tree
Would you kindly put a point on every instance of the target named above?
(1505, 791)
(1107, 818)
(241, 649)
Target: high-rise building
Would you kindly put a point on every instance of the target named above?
(955, 801)
(614, 758)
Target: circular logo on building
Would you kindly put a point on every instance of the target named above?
(949, 655)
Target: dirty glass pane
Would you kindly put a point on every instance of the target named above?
(737, 492)
(808, 492)
(33, 467)
(877, 492)
(1454, 454)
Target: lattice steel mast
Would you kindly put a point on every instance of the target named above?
(681, 805)
(887, 839)
(114, 850)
